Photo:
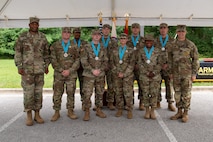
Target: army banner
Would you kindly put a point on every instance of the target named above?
(205, 72)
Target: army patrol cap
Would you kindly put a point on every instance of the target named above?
(149, 37)
(94, 32)
(77, 30)
(123, 35)
(135, 25)
(34, 19)
(181, 28)
(66, 29)
(163, 25)
(106, 26)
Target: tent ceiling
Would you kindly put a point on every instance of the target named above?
(58, 13)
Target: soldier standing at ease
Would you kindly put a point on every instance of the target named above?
(65, 61)
(79, 43)
(94, 61)
(32, 61)
(150, 63)
(165, 42)
(123, 62)
(137, 42)
(184, 64)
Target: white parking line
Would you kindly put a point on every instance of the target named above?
(165, 128)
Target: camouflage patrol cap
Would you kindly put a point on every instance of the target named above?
(163, 25)
(123, 35)
(66, 29)
(149, 37)
(96, 31)
(106, 26)
(181, 28)
(76, 30)
(34, 19)
(135, 25)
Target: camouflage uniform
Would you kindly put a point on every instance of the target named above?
(165, 73)
(90, 81)
(32, 55)
(60, 63)
(184, 62)
(123, 86)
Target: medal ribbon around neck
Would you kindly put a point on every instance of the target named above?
(163, 43)
(105, 42)
(134, 41)
(96, 50)
(65, 47)
(149, 53)
(79, 42)
(121, 52)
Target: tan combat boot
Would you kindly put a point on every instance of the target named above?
(185, 117)
(86, 115)
(129, 114)
(38, 118)
(71, 114)
(56, 116)
(100, 113)
(171, 107)
(141, 106)
(111, 106)
(119, 113)
(29, 120)
(147, 114)
(152, 113)
(177, 115)
(158, 105)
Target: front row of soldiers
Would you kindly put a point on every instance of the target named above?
(145, 59)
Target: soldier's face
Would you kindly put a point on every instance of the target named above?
(66, 35)
(77, 35)
(106, 31)
(96, 37)
(135, 30)
(123, 40)
(181, 35)
(34, 26)
(163, 30)
(149, 43)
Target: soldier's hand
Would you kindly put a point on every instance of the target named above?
(165, 66)
(65, 73)
(21, 71)
(47, 70)
(151, 74)
(136, 67)
(171, 77)
(193, 77)
(96, 72)
(120, 75)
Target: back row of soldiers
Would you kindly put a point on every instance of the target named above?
(147, 60)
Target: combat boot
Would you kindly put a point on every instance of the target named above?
(86, 115)
(185, 117)
(141, 106)
(71, 114)
(152, 113)
(158, 105)
(56, 116)
(29, 120)
(147, 114)
(171, 107)
(111, 106)
(177, 115)
(119, 113)
(38, 118)
(100, 113)
(129, 114)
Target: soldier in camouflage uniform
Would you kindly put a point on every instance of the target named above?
(165, 42)
(109, 44)
(122, 61)
(79, 43)
(184, 64)
(94, 61)
(32, 61)
(137, 42)
(150, 62)
(65, 61)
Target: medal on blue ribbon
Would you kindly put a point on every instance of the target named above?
(163, 43)
(105, 42)
(79, 42)
(148, 54)
(121, 53)
(135, 41)
(96, 50)
(65, 47)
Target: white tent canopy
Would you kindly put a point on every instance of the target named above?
(59, 13)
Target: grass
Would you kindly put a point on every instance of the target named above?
(9, 77)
